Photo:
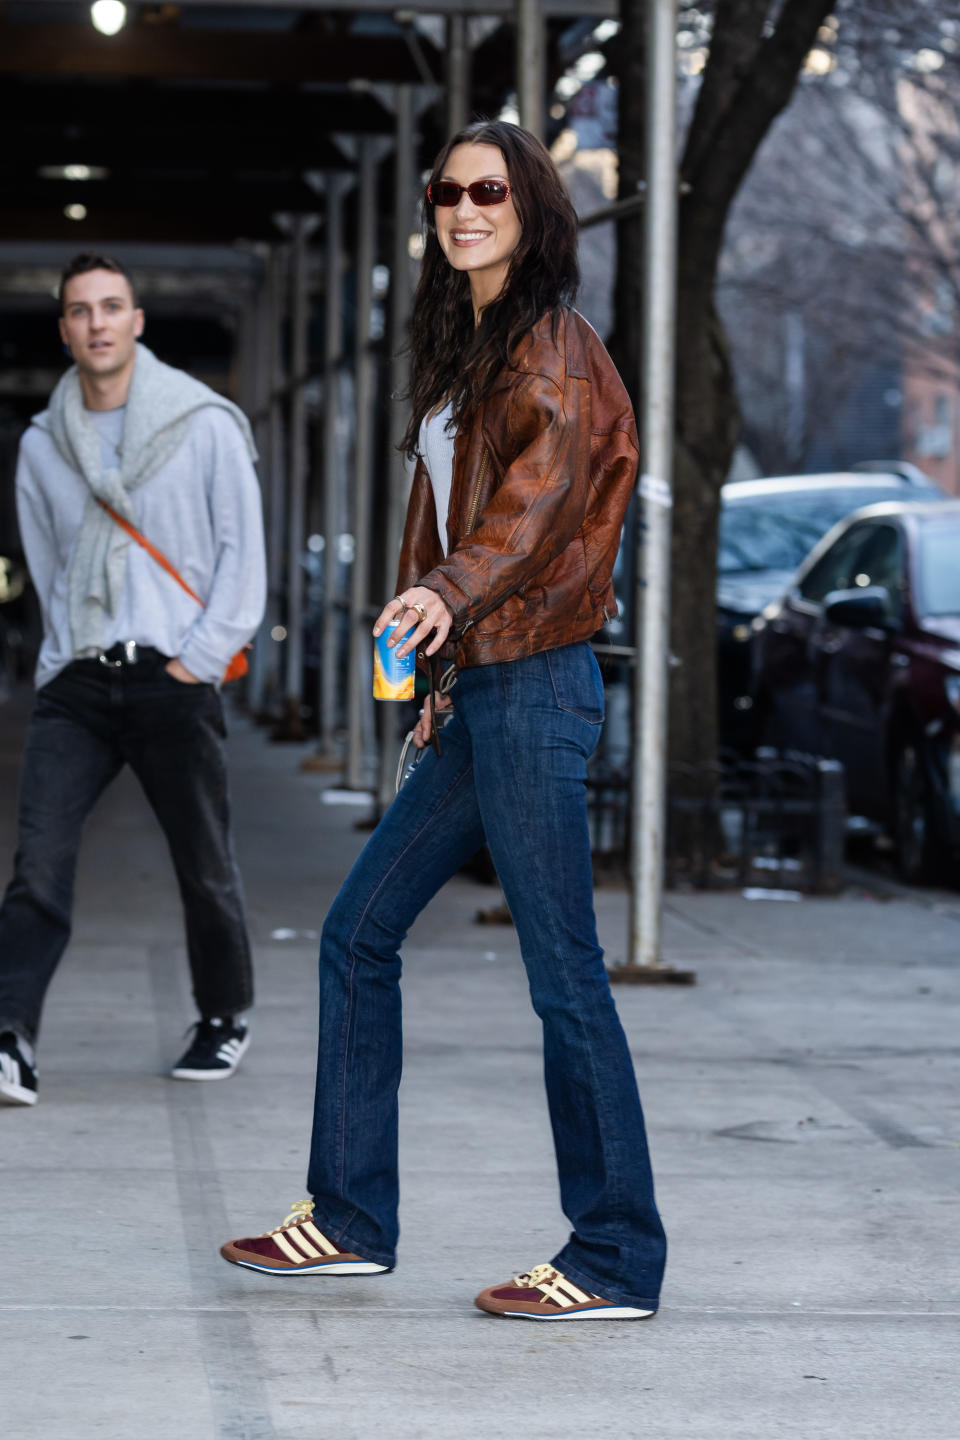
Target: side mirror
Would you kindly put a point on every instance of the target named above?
(860, 609)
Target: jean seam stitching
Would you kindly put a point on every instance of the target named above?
(569, 709)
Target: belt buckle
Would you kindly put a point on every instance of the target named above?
(129, 657)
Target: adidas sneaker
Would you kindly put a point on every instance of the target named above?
(18, 1070)
(217, 1047)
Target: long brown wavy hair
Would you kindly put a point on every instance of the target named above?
(452, 359)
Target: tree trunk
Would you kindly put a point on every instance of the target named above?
(707, 427)
(757, 50)
(631, 70)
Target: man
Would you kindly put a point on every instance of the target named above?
(130, 664)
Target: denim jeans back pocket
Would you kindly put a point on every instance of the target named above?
(577, 683)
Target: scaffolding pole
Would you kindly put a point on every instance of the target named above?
(458, 73)
(291, 724)
(276, 458)
(359, 662)
(332, 481)
(652, 601)
(531, 67)
(258, 402)
(398, 469)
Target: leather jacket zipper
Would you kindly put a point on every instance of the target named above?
(475, 501)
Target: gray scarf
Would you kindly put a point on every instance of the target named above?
(160, 406)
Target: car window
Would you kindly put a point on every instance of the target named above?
(777, 532)
(879, 561)
(836, 569)
(938, 571)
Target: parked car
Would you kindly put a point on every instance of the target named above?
(767, 527)
(860, 661)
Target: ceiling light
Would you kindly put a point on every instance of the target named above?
(73, 172)
(75, 212)
(108, 16)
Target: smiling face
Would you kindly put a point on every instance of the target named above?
(479, 239)
(100, 323)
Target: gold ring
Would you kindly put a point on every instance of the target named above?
(399, 600)
(421, 611)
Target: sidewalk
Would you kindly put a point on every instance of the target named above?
(805, 1123)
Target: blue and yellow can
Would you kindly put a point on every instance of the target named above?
(393, 678)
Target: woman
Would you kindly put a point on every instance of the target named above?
(526, 457)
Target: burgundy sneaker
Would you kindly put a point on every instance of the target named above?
(544, 1294)
(297, 1247)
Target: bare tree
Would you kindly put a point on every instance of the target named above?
(753, 53)
(844, 241)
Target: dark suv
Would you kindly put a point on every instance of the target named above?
(860, 661)
(767, 527)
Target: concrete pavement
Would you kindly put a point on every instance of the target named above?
(804, 1117)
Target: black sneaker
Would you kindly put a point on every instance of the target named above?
(215, 1051)
(18, 1073)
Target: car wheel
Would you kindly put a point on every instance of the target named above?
(914, 822)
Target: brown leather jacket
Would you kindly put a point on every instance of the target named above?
(541, 481)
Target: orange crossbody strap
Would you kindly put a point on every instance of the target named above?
(238, 665)
(158, 555)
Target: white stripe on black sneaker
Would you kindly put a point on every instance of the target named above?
(12, 1088)
(204, 1062)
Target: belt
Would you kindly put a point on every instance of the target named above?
(125, 652)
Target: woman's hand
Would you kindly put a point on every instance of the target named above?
(430, 612)
(424, 726)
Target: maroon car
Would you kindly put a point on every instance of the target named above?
(860, 661)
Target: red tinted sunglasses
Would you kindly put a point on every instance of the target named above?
(446, 193)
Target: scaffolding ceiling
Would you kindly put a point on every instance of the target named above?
(208, 123)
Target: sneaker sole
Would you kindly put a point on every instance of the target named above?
(222, 1074)
(16, 1094)
(349, 1267)
(602, 1312)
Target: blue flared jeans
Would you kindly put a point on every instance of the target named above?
(512, 774)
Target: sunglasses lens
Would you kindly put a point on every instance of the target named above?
(489, 192)
(444, 193)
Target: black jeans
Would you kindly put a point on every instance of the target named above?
(87, 723)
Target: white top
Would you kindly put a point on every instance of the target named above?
(436, 447)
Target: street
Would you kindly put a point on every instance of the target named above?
(803, 1106)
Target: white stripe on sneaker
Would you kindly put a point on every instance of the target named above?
(563, 1291)
(296, 1237)
(283, 1244)
(318, 1238)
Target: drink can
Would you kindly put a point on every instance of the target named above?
(393, 678)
